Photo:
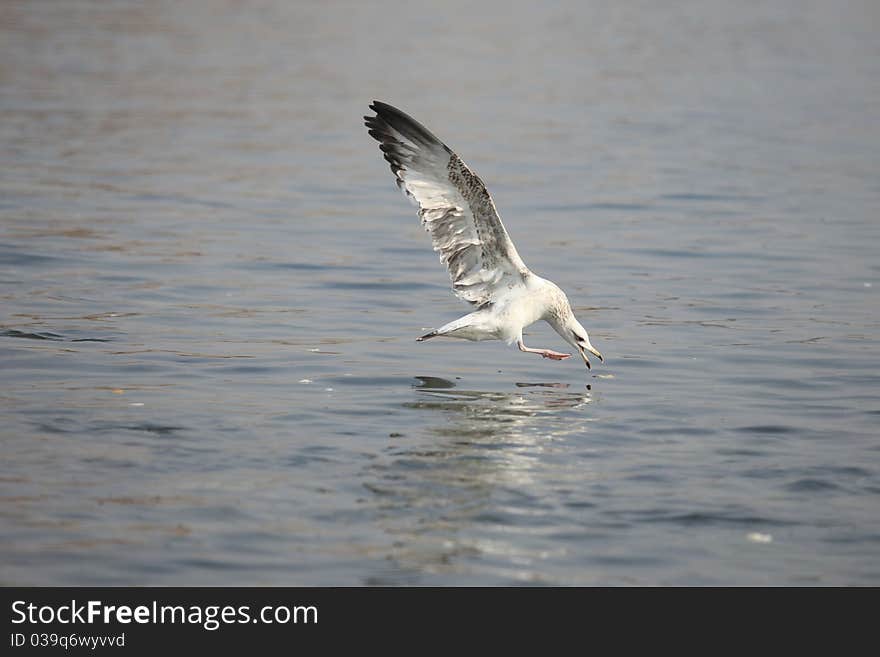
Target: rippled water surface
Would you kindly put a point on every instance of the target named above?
(210, 290)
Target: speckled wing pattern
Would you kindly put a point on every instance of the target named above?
(454, 205)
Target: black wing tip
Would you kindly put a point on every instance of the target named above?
(383, 110)
(379, 130)
(379, 106)
(403, 123)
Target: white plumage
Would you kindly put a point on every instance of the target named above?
(467, 233)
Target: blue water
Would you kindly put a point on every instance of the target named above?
(210, 290)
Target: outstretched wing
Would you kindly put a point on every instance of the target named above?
(453, 204)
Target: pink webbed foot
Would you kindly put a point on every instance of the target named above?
(555, 355)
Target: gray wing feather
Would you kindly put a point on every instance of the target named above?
(454, 205)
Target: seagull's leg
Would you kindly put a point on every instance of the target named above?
(545, 353)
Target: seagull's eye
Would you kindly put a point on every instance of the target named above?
(577, 338)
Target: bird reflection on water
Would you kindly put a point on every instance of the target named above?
(485, 478)
(502, 408)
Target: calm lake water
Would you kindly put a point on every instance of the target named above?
(210, 290)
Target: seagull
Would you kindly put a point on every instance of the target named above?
(467, 233)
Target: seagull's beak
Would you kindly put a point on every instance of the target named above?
(592, 350)
(584, 356)
(596, 353)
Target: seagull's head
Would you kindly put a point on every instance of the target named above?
(575, 334)
(561, 317)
